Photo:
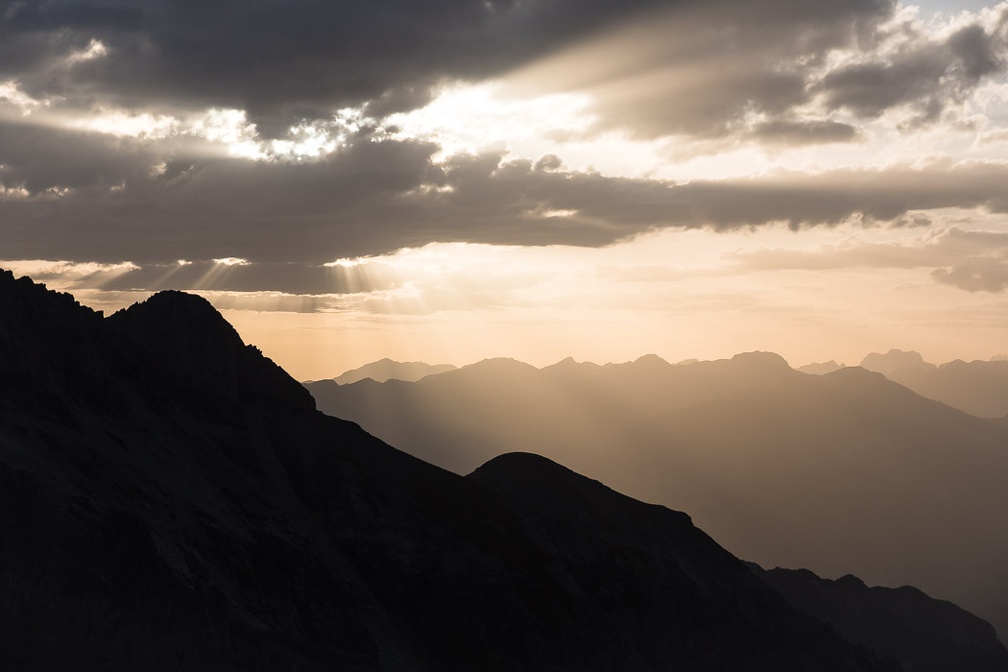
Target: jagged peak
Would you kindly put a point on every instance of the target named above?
(895, 360)
(17, 294)
(179, 341)
(178, 318)
(176, 303)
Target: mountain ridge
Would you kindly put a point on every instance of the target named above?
(179, 520)
(842, 472)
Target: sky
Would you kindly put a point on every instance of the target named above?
(455, 180)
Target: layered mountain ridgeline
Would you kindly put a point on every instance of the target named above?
(388, 369)
(842, 473)
(922, 634)
(979, 388)
(170, 499)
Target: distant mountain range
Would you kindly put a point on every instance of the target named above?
(171, 499)
(979, 388)
(387, 369)
(843, 472)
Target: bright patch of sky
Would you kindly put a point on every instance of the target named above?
(949, 7)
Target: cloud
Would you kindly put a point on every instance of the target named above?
(921, 72)
(971, 260)
(89, 197)
(281, 60)
(771, 72)
(777, 72)
(976, 275)
(159, 131)
(804, 132)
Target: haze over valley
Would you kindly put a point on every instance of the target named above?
(845, 472)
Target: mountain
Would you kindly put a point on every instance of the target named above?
(894, 362)
(387, 369)
(841, 473)
(171, 499)
(820, 368)
(978, 388)
(922, 634)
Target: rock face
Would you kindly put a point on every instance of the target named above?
(170, 499)
(846, 472)
(923, 634)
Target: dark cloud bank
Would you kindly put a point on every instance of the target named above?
(376, 197)
(91, 197)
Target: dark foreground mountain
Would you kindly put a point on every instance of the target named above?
(170, 499)
(923, 634)
(842, 473)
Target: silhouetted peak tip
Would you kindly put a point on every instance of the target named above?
(651, 360)
(850, 581)
(761, 359)
(172, 313)
(519, 461)
(177, 302)
(498, 365)
(32, 307)
(528, 472)
(856, 373)
(895, 360)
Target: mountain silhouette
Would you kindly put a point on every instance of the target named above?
(820, 368)
(841, 473)
(387, 369)
(978, 388)
(922, 634)
(171, 499)
(894, 362)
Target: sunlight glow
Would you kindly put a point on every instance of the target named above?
(10, 92)
(231, 261)
(471, 118)
(123, 124)
(95, 49)
(231, 128)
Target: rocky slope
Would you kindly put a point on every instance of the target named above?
(923, 634)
